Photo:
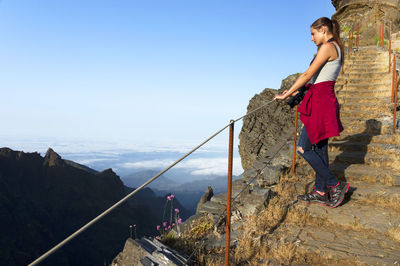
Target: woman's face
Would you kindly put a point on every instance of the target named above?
(317, 36)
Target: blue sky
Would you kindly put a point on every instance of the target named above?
(156, 73)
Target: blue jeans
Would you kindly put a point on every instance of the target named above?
(317, 156)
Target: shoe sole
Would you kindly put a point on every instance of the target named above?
(342, 197)
(316, 203)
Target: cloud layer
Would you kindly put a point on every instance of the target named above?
(197, 166)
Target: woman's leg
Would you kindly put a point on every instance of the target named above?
(318, 159)
(321, 148)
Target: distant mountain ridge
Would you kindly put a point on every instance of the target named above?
(189, 193)
(44, 199)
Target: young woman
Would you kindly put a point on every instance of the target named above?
(319, 112)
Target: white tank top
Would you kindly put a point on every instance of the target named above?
(330, 70)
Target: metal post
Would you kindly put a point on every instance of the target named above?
(352, 32)
(348, 44)
(390, 44)
(294, 142)
(395, 104)
(383, 33)
(229, 195)
(394, 76)
(358, 35)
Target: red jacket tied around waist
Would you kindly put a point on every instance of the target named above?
(320, 112)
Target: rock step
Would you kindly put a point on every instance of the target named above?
(365, 63)
(352, 214)
(367, 56)
(371, 57)
(366, 107)
(385, 75)
(211, 207)
(374, 193)
(250, 198)
(358, 61)
(371, 148)
(351, 81)
(368, 49)
(364, 92)
(366, 86)
(367, 248)
(365, 173)
(377, 126)
(370, 65)
(357, 70)
(369, 138)
(364, 114)
(375, 160)
(368, 100)
(361, 68)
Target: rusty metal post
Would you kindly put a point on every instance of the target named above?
(394, 76)
(352, 33)
(390, 44)
(358, 35)
(348, 44)
(229, 195)
(395, 103)
(294, 141)
(383, 34)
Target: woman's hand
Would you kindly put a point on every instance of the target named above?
(280, 96)
(284, 95)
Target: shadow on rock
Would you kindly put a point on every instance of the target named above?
(354, 148)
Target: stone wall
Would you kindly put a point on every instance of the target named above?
(369, 14)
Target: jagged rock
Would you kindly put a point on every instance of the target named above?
(212, 208)
(52, 159)
(263, 129)
(206, 197)
(148, 251)
(253, 199)
(219, 198)
(269, 176)
(267, 171)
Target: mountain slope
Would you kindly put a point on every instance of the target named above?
(45, 199)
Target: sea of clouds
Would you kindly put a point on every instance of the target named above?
(126, 158)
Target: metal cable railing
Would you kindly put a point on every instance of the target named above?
(223, 215)
(83, 228)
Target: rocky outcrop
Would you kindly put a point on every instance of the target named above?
(369, 14)
(268, 126)
(206, 197)
(148, 251)
(52, 159)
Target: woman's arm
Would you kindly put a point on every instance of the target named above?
(324, 53)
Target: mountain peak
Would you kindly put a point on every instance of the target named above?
(52, 158)
(107, 172)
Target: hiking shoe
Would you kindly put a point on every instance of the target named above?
(314, 198)
(337, 194)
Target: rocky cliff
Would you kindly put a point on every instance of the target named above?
(369, 14)
(45, 199)
(267, 127)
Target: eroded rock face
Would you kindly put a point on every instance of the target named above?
(52, 159)
(148, 251)
(369, 14)
(263, 129)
